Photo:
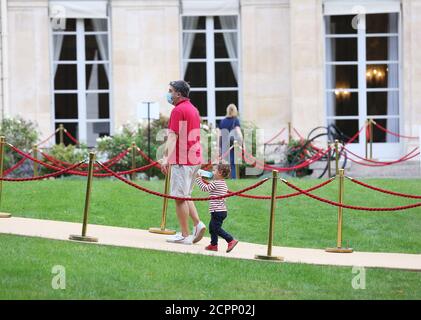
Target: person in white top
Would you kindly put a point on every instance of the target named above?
(217, 207)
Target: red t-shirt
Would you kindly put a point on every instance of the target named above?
(185, 122)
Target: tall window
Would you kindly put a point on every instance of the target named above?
(81, 73)
(362, 68)
(210, 63)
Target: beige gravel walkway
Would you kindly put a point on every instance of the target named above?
(137, 238)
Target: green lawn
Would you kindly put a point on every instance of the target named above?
(103, 272)
(94, 271)
(300, 221)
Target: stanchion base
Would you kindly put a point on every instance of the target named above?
(269, 258)
(339, 250)
(161, 231)
(5, 215)
(83, 238)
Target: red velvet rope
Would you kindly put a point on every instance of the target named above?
(49, 137)
(162, 195)
(78, 173)
(249, 159)
(287, 195)
(71, 137)
(398, 194)
(54, 174)
(404, 158)
(333, 203)
(274, 137)
(16, 166)
(391, 132)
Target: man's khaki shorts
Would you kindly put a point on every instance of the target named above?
(182, 180)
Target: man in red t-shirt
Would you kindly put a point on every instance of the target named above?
(183, 153)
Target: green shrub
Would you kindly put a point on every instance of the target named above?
(69, 153)
(23, 134)
(297, 152)
(109, 147)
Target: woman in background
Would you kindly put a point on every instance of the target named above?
(230, 130)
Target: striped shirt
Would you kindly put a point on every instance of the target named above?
(215, 188)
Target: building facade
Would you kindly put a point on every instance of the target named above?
(92, 64)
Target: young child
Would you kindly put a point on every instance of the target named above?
(217, 208)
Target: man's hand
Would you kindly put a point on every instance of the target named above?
(164, 165)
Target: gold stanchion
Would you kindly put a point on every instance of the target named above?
(337, 156)
(289, 133)
(236, 160)
(61, 131)
(162, 229)
(328, 160)
(339, 248)
(84, 237)
(370, 130)
(133, 176)
(271, 222)
(35, 155)
(2, 142)
(366, 141)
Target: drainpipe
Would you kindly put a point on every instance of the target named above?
(4, 61)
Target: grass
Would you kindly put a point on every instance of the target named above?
(300, 221)
(103, 272)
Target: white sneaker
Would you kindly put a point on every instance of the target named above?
(199, 231)
(178, 238)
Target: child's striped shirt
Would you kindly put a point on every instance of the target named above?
(215, 188)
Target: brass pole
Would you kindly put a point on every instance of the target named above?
(271, 221)
(133, 160)
(236, 160)
(366, 141)
(2, 142)
(61, 131)
(328, 160)
(371, 138)
(35, 155)
(337, 156)
(162, 229)
(289, 133)
(339, 248)
(84, 237)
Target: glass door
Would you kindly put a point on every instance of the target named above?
(363, 78)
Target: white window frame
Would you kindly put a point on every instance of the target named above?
(384, 150)
(81, 90)
(210, 61)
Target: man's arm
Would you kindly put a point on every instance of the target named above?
(170, 148)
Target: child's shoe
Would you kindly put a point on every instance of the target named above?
(231, 245)
(211, 247)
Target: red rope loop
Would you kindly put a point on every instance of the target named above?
(48, 138)
(275, 136)
(162, 195)
(251, 160)
(15, 167)
(391, 132)
(333, 203)
(71, 137)
(54, 174)
(407, 157)
(78, 173)
(398, 194)
(287, 195)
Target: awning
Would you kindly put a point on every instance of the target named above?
(210, 7)
(345, 7)
(78, 9)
